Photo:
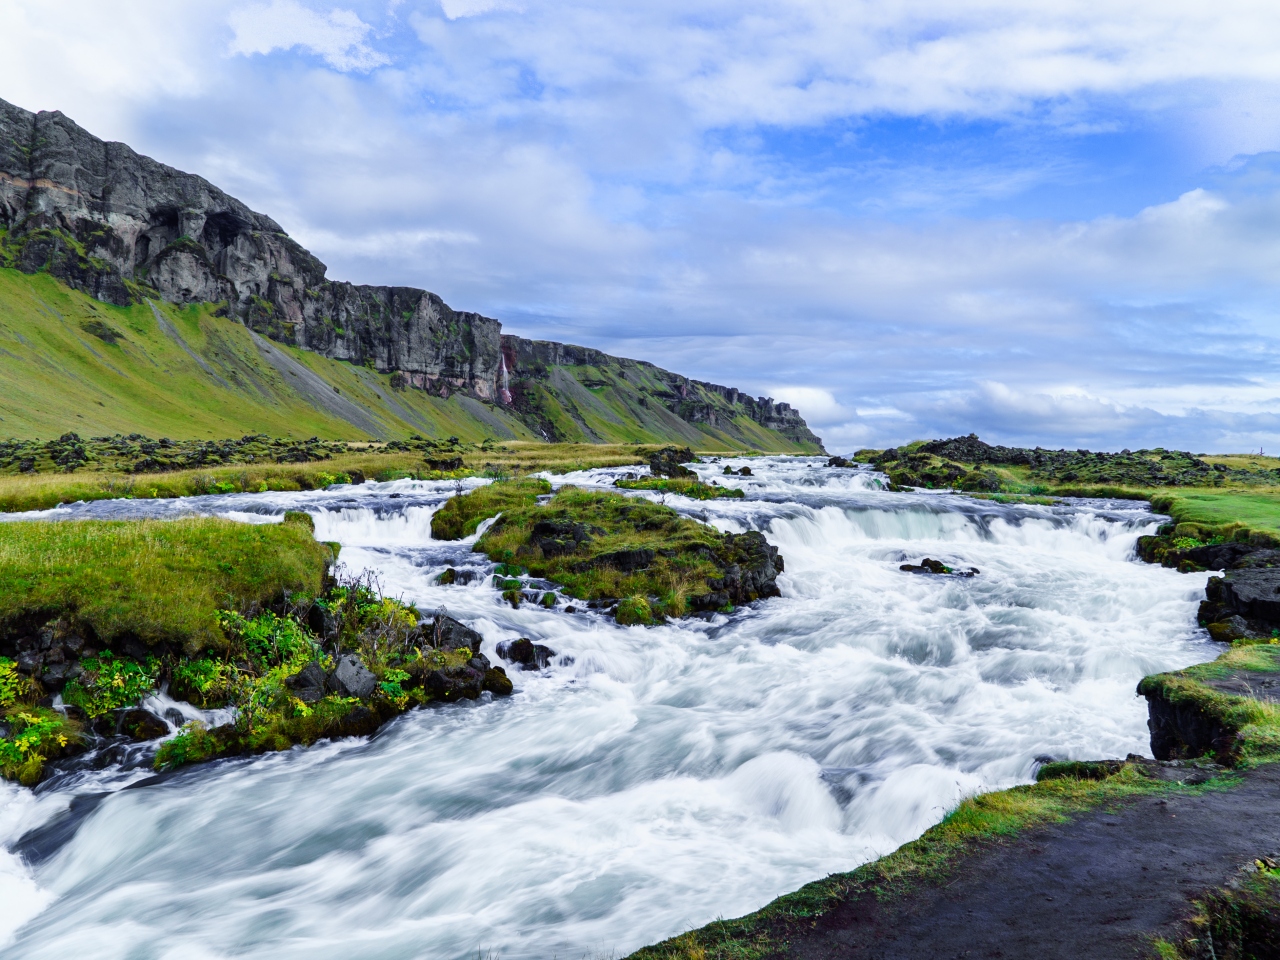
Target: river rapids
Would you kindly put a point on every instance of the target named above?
(652, 779)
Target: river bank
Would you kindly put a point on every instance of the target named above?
(782, 741)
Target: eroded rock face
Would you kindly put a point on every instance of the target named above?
(123, 227)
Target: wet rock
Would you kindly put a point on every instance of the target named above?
(1252, 593)
(54, 676)
(839, 462)
(308, 684)
(560, 538)
(530, 655)
(626, 561)
(669, 462)
(446, 633)
(175, 716)
(744, 472)
(360, 721)
(451, 684)
(1232, 628)
(445, 464)
(139, 725)
(937, 567)
(497, 682)
(351, 678)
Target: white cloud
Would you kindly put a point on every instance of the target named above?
(455, 9)
(339, 36)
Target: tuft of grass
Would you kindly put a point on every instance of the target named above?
(461, 515)
(158, 581)
(684, 486)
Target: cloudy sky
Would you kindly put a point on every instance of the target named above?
(1050, 221)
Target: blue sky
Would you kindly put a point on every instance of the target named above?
(1044, 222)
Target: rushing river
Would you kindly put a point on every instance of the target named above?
(651, 779)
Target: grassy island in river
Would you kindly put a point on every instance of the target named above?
(604, 546)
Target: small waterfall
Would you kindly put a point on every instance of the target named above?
(505, 393)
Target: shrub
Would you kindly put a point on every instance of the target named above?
(111, 682)
(634, 610)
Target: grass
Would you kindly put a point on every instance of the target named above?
(158, 581)
(934, 858)
(196, 376)
(683, 486)
(70, 362)
(41, 491)
(460, 516)
(597, 545)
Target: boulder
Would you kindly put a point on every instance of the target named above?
(530, 655)
(139, 725)
(351, 678)
(446, 633)
(497, 682)
(669, 462)
(1252, 593)
(557, 538)
(308, 684)
(626, 561)
(839, 462)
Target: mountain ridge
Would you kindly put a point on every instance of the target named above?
(124, 228)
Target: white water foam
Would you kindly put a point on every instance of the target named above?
(667, 775)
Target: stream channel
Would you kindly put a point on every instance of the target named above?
(651, 779)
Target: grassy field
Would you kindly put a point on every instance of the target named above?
(40, 491)
(162, 582)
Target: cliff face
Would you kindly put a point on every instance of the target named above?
(123, 227)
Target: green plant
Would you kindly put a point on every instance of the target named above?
(110, 682)
(35, 735)
(634, 610)
(13, 685)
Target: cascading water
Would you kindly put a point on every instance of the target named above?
(506, 378)
(651, 779)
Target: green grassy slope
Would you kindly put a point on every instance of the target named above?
(627, 403)
(68, 362)
(71, 363)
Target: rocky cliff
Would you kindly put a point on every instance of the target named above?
(123, 228)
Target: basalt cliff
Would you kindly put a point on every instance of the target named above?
(124, 229)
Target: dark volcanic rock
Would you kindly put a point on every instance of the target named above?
(560, 538)
(839, 462)
(142, 725)
(530, 655)
(351, 678)
(669, 462)
(308, 685)
(1252, 593)
(447, 633)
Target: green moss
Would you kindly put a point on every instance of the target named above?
(159, 581)
(684, 486)
(634, 610)
(460, 516)
(684, 552)
(36, 734)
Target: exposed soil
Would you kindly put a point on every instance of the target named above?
(1098, 887)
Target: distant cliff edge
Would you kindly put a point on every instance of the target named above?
(124, 228)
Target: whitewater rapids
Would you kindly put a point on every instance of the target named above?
(649, 781)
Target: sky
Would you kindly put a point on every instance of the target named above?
(1046, 222)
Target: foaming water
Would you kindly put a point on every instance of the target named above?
(664, 776)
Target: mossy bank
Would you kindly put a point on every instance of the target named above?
(224, 614)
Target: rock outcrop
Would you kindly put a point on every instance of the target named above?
(123, 227)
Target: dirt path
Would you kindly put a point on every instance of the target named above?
(1098, 887)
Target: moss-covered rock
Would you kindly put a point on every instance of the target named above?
(606, 546)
